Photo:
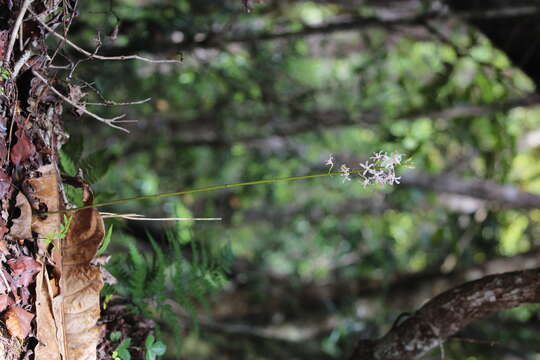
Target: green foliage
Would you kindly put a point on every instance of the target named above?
(278, 108)
(4, 74)
(121, 352)
(106, 241)
(93, 167)
(62, 231)
(153, 348)
(150, 279)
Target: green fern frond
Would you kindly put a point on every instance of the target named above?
(152, 281)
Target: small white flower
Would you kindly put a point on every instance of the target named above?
(365, 182)
(367, 167)
(390, 161)
(378, 156)
(330, 162)
(397, 158)
(346, 172)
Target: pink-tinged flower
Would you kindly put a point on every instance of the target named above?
(330, 162)
(390, 161)
(380, 169)
(368, 168)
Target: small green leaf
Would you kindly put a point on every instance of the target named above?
(122, 349)
(106, 241)
(159, 348)
(74, 194)
(115, 336)
(149, 341)
(67, 164)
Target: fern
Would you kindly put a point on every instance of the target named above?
(160, 276)
(93, 166)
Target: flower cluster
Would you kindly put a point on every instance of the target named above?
(379, 169)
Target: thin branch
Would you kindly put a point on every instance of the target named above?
(100, 57)
(110, 122)
(15, 30)
(20, 63)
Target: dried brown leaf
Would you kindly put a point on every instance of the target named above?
(71, 308)
(17, 321)
(4, 301)
(47, 348)
(23, 149)
(22, 225)
(76, 310)
(5, 183)
(45, 190)
(23, 270)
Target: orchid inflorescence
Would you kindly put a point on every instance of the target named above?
(379, 169)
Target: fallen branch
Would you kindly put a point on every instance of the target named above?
(449, 312)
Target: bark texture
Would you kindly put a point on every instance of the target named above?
(451, 311)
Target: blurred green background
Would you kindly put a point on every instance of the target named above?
(272, 92)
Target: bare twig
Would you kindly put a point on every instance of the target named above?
(20, 63)
(139, 217)
(6, 283)
(110, 122)
(92, 55)
(16, 27)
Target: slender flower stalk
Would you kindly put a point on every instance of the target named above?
(381, 171)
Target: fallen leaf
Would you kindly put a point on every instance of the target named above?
(23, 270)
(23, 149)
(4, 300)
(47, 347)
(22, 225)
(18, 321)
(45, 190)
(3, 245)
(75, 302)
(76, 309)
(5, 183)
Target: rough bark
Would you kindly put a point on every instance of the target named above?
(451, 311)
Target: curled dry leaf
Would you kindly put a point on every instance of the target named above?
(23, 270)
(76, 310)
(17, 321)
(47, 348)
(70, 310)
(22, 225)
(23, 149)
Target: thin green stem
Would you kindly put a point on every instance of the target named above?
(204, 189)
